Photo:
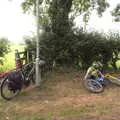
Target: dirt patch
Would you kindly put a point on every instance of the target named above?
(65, 94)
(81, 99)
(33, 108)
(84, 118)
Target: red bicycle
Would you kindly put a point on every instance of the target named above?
(4, 80)
(19, 65)
(8, 88)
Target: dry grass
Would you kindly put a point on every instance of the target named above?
(63, 97)
(9, 59)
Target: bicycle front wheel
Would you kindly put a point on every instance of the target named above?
(6, 92)
(93, 85)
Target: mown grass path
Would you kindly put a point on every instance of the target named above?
(63, 97)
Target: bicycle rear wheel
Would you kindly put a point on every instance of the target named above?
(93, 85)
(6, 92)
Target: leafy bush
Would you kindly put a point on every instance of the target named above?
(4, 48)
(94, 47)
(114, 42)
(78, 48)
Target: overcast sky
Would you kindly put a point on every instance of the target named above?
(14, 24)
(104, 23)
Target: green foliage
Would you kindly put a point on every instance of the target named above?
(74, 49)
(29, 6)
(114, 42)
(9, 58)
(30, 42)
(60, 43)
(116, 13)
(93, 47)
(101, 6)
(58, 12)
(4, 48)
(85, 7)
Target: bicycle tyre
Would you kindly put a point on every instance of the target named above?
(29, 74)
(3, 90)
(93, 86)
(32, 76)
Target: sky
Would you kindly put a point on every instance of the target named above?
(14, 24)
(103, 24)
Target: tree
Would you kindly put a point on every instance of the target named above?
(75, 7)
(116, 13)
(93, 47)
(62, 41)
(29, 6)
(114, 43)
(4, 48)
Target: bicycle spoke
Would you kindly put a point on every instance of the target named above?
(6, 92)
(93, 85)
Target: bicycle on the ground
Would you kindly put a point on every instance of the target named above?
(97, 86)
(93, 85)
(112, 79)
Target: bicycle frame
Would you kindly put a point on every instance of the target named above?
(21, 68)
(6, 73)
(14, 69)
(108, 76)
(3, 74)
(30, 72)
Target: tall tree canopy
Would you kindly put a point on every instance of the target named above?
(65, 45)
(75, 7)
(116, 13)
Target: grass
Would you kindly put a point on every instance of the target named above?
(63, 97)
(9, 60)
